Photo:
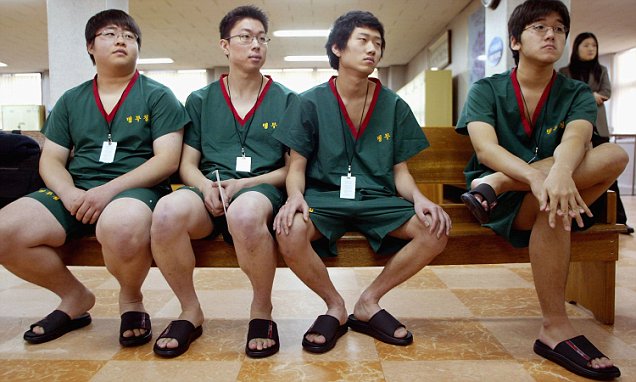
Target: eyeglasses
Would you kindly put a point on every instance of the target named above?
(541, 29)
(247, 39)
(111, 35)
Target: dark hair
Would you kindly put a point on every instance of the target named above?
(239, 13)
(579, 69)
(530, 11)
(343, 28)
(110, 17)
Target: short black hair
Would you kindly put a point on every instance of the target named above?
(110, 17)
(239, 13)
(343, 28)
(530, 11)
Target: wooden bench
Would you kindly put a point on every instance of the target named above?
(591, 282)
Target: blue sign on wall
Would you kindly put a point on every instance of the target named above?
(495, 51)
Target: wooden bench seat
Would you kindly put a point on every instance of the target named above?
(591, 282)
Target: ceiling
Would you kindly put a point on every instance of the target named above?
(187, 30)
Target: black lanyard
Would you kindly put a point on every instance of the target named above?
(343, 127)
(243, 139)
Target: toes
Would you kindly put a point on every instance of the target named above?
(167, 343)
(38, 330)
(400, 332)
(261, 343)
(316, 339)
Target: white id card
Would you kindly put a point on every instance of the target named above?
(244, 164)
(218, 183)
(347, 187)
(108, 152)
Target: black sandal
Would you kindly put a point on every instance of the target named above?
(181, 330)
(259, 328)
(474, 205)
(55, 325)
(135, 320)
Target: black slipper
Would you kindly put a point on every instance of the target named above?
(181, 330)
(328, 327)
(575, 355)
(474, 205)
(381, 327)
(259, 328)
(135, 320)
(55, 325)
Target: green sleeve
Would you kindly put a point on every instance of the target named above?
(167, 113)
(479, 106)
(410, 139)
(192, 135)
(57, 127)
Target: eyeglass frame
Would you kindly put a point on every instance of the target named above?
(251, 40)
(116, 35)
(542, 29)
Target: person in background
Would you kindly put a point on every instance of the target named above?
(584, 66)
(125, 131)
(234, 172)
(534, 171)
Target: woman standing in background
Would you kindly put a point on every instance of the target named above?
(584, 66)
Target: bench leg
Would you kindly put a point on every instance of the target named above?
(592, 285)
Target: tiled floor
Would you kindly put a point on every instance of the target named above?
(471, 323)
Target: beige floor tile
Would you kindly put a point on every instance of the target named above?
(457, 339)
(318, 371)
(455, 371)
(37, 370)
(481, 278)
(168, 370)
(424, 279)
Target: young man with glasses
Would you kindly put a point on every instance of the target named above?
(125, 132)
(233, 171)
(348, 171)
(534, 171)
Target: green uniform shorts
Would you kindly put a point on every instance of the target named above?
(273, 194)
(75, 228)
(374, 217)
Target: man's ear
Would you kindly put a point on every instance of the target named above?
(89, 47)
(223, 43)
(335, 50)
(514, 44)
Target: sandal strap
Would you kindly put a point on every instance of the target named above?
(580, 350)
(260, 328)
(325, 325)
(135, 320)
(384, 321)
(54, 320)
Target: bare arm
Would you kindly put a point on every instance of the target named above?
(295, 184)
(162, 164)
(191, 175)
(276, 178)
(57, 178)
(429, 213)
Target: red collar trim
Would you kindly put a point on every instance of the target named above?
(249, 114)
(528, 126)
(109, 117)
(374, 99)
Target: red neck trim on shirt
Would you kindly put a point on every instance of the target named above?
(109, 117)
(357, 134)
(528, 126)
(249, 114)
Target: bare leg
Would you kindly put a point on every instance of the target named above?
(177, 218)
(307, 265)
(249, 217)
(29, 254)
(420, 251)
(549, 248)
(123, 230)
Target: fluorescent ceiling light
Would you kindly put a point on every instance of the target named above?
(151, 61)
(2, 65)
(306, 58)
(302, 33)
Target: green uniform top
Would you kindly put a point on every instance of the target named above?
(213, 131)
(146, 111)
(495, 101)
(325, 136)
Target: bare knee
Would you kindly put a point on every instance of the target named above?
(289, 244)
(124, 237)
(168, 219)
(616, 159)
(247, 222)
(428, 241)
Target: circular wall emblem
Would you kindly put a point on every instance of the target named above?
(495, 51)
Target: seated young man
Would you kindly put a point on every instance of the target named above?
(348, 172)
(125, 131)
(534, 170)
(233, 120)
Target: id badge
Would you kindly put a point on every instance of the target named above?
(108, 152)
(347, 187)
(244, 164)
